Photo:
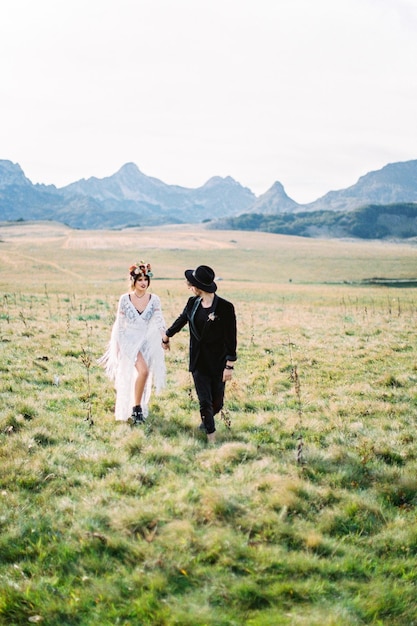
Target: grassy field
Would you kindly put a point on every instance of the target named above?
(304, 513)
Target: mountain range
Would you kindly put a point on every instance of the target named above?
(130, 198)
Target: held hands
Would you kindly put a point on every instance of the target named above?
(227, 373)
(165, 343)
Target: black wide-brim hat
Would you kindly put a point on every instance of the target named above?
(202, 278)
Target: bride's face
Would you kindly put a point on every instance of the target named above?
(141, 282)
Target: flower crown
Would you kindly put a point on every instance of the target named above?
(140, 268)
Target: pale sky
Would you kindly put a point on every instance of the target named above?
(310, 93)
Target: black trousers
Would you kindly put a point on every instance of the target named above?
(210, 393)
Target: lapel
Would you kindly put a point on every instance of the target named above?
(192, 316)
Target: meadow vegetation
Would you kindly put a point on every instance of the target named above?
(304, 513)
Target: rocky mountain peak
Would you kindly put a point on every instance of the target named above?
(129, 171)
(220, 181)
(12, 174)
(275, 200)
(393, 183)
(393, 173)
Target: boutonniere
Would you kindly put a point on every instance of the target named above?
(212, 317)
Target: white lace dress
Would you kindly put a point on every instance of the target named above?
(132, 333)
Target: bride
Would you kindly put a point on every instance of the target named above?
(134, 359)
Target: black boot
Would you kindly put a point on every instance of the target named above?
(137, 416)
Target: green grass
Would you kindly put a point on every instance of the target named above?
(102, 524)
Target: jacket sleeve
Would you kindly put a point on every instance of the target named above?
(230, 333)
(180, 322)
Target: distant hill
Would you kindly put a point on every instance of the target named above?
(394, 221)
(394, 183)
(130, 198)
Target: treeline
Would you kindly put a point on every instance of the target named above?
(368, 222)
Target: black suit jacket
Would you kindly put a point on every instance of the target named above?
(217, 342)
